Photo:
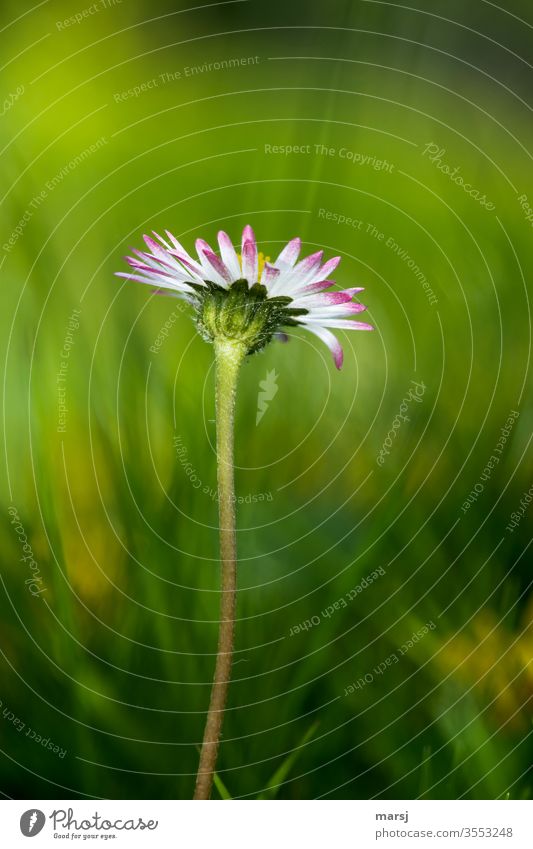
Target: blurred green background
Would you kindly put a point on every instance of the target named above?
(111, 660)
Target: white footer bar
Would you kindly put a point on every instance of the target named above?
(268, 825)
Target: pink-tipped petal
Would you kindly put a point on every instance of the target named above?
(351, 308)
(156, 265)
(323, 299)
(190, 265)
(160, 253)
(249, 262)
(178, 247)
(157, 261)
(165, 293)
(313, 287)
(339, 323)
(249, 255)
(162, 240)
(201, 245)
(248, 235)
(362, 325)
(331, 341)
(306, 271)
(229, 255)
(218, 265)
(309, 263)
(164, 284)
(321, 313)
(149, 271)
(327, 269)
(157, 268)
(290, 253)
(269, 275)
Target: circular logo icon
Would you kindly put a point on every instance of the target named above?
(32, 822)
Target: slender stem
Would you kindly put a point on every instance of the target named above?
(229, 356)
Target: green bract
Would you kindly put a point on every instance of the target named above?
(242, 313)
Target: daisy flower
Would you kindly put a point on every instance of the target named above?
(241, 301)
(246, 297)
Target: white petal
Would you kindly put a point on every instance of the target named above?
(160, 283)
(249, 262)
(290, 253)
(331, 341)
(269, 277)
(229, 255)
(341, 323)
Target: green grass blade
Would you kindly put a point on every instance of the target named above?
(282, 772)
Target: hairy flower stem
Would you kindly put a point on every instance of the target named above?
(229, 355)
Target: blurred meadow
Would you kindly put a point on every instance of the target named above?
(342, 123)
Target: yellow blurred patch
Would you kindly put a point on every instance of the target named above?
(90, 536)
(496, 663)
